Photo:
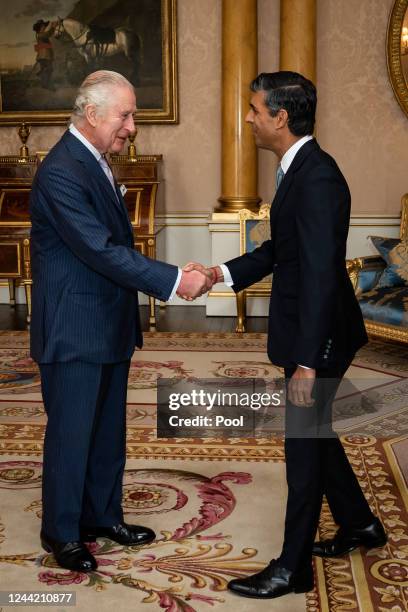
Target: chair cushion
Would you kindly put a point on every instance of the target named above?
(385, 305)
(395, 254)
(367, 280)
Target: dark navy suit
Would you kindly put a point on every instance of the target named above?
(315, 321)
(85, 327)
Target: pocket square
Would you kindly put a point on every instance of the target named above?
(123, 189)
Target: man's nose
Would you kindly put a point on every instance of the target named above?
(130, 124)
(249, 118)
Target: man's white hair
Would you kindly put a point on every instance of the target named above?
(97, 89)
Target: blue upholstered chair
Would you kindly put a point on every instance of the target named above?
(381, 284)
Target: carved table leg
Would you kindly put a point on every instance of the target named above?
(152, 317)
(12, 291)
(151, 251)
(241, 312)
(27, 276)
(27, 287)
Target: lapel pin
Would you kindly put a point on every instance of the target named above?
(123, 190)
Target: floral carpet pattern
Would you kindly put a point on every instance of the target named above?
(206, 499)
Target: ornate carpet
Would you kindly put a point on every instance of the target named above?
(217, 505)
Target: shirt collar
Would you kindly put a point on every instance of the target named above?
(75, 132)
(289, 156)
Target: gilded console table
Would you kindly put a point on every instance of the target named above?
(16, 175)
(141, 176)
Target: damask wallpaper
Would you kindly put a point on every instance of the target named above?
(359, 121)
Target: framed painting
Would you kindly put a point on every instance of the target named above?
(397, 52)
(48, 47)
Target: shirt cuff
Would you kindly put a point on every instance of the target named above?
(304, 367)
(227, 275)
(172, 294)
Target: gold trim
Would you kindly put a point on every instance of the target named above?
(15, 224)
(374, 216)
(221, 294)
(374, 225)
(136, 193)
(152, 205)
(139, 159)
(394, 65)
(169, 114)
(183, 225)
(404, 217)
(231, 204)
(386, 331)
(5, 160)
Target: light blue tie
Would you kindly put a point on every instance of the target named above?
(279, 176)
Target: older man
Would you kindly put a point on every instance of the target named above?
(85, 321)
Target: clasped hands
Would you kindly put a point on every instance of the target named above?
(196, 280)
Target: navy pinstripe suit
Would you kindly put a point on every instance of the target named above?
(85, 326)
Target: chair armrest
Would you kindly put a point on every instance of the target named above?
(364, 272)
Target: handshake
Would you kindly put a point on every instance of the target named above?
(196, 280)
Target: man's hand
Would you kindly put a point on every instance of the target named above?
(194, 282)
(300, 387)
(215, 272)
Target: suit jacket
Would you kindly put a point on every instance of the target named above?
(314, 317)
(85, 271)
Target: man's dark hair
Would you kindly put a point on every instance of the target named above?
(294, 93)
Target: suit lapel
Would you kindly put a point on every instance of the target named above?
(280, 195)
(82, 154)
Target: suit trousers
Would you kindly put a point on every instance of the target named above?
(84, 446)
(317, 465)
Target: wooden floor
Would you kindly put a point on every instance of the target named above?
(171, 318)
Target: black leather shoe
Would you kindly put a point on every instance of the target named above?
(273, 581)
(345, 541)
(70, 555)
(128, 535)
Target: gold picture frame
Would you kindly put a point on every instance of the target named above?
(396, 60)
(156, 67)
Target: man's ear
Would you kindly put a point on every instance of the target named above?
(282, 118)
(90, 114)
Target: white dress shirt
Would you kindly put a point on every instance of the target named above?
(98, 155)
